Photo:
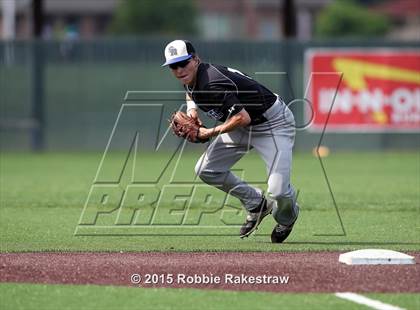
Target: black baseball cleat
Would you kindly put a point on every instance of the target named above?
(254, 219)
(281, 232)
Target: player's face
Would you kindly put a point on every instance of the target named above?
(185, 71)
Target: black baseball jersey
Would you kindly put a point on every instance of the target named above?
(222, 92)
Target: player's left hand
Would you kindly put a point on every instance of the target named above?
(186, 127)
(193, 113)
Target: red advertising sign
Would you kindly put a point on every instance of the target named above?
(364, 90)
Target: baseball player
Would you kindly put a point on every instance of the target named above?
(251, 116)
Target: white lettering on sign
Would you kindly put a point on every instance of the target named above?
(401, 100)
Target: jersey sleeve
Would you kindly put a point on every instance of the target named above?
(225, 98)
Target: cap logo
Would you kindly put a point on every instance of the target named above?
(172, 50)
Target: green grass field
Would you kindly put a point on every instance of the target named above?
(42, 197)
(29, 296)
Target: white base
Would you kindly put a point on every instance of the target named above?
(376, 257)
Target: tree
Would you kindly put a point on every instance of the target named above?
(345, 18)
(168, 17)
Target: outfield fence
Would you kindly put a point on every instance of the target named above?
(66, 95)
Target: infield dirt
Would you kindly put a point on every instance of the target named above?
(306, 272)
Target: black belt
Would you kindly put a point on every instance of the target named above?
(258, 120)
(261, 119)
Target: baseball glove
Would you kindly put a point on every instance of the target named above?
(186, 127)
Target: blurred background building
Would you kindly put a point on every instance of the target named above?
(84, 18)
(64, 89)
(405, 17)
(215, 19)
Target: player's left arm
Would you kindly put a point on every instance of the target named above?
(192, 109)
(240, 119)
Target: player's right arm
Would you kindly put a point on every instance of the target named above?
(240, 119)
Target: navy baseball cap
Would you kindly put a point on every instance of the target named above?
(177, 51)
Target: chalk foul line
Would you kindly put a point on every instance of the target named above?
(372, 303)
